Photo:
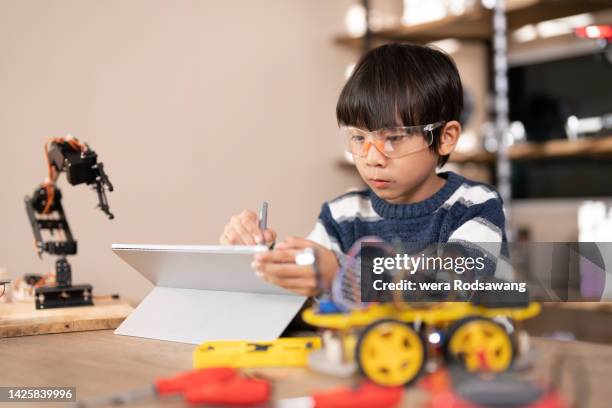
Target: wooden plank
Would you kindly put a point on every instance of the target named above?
(588, 146)
(473, 25)
(542, 10)
(595, 147)
(22, 319)
(583, 306)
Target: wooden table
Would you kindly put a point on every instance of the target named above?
(99, 362)
(23, 319)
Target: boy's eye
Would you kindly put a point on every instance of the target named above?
(357, 138)
(396, 138)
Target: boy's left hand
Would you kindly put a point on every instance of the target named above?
(279, 268)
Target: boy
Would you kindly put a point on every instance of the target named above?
(399, 114)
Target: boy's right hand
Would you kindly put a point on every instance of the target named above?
(243, 229)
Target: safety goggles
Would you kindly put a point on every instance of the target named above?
(391, 142)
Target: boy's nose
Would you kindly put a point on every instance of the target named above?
(375, 156)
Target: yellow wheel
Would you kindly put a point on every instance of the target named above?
(390, 353)
(481, 344)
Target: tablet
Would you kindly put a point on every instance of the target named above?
(205, 293)
(203, 267)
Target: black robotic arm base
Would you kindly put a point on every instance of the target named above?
(49, 297)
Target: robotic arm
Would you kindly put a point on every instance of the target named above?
(46, 214)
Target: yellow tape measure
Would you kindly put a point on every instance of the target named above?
(284, 352)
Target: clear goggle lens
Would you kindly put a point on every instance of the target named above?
(391, 142)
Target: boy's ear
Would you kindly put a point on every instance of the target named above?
(449, 137)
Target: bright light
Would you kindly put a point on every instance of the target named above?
(525, 34)
(592, 124)
(449, 45)
(422, 11)
(547, 29)
(434, 338)
(562, 26)
(457, 7)
(551, 28)
(594, 222)
(355, 20)
(488, 3)
(593, 32)
(467, 142)
(578, 126)
(572, 126)
(349, 158)
(517, 131)
(349, 70)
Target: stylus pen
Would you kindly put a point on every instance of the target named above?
(263, 216)
(263, 220)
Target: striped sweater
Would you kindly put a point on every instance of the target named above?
(461, 211)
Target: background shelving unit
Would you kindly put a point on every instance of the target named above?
(476, 24)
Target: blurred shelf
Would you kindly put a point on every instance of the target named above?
(602, 306)
(475, 24)
(589, 146)
(521, 13)
(596, 147)
(476, 156)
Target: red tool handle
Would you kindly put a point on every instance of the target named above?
(238, 391)
(182, 382)
(368, 395)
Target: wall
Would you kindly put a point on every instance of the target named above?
(198, 109)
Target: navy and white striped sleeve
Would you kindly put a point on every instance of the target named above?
(483, 219)
(481, 227)
(326, 231)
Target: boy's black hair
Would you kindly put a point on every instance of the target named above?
(402, 85)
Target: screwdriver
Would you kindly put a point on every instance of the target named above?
(239, 391)
(221, 386)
